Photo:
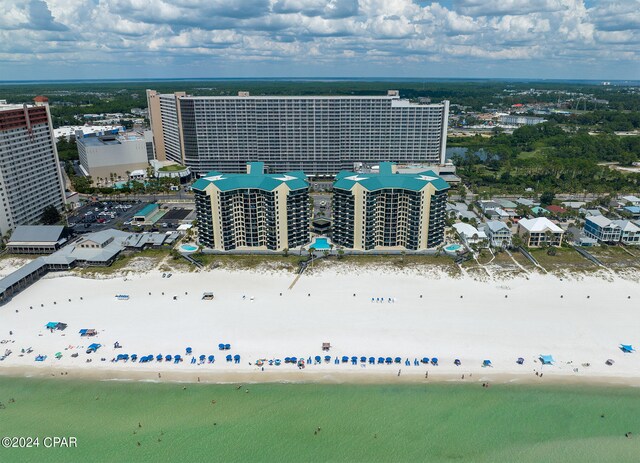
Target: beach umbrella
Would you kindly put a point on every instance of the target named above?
(189, 350)
(236, 357)
(229, 358)
(345, 358)
(168, 358)
(434, 361)
(486, 363)
(354, 358)
(202, 357)
(609, 362)
(380, 359)
(277, 362)
(389, 360)
(425, 359)
(159, 357)
(227, 346)
(327, 358)
(221, 346)
(58, 355)
(398, 360)
(457, 362)
(546, 359)
(294, 359)
(626, 348)
(317, 358)
(211, 359)
(363, 359)
(372, 360)
(520, 361)
(287, 360)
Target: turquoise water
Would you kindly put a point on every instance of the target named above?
(320, 243)
(188, 248)
(298, 423)
(453, 247)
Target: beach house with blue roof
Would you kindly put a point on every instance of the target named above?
(253, 211)
(388, 210)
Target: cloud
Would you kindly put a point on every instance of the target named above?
(287, 37)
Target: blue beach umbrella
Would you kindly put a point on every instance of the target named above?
(327, 358)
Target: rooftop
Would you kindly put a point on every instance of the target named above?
(254, 179)
(36, 234)
(346, 180)
(539, 225)
(601, 221)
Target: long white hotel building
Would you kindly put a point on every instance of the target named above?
(320, 135)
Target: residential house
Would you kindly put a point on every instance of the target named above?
(602, 229)
(629, 232)
(498, 233)
(538, 231)
(469, 233)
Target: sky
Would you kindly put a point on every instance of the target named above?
(121, 39)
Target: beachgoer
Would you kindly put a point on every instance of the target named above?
(399, 371)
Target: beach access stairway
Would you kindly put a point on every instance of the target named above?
(589, 256)
(191, 260)
(528, 255)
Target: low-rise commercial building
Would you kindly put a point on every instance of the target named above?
(389, 210)
(253, 210)
(540, 231)
(36, 239)
(112, 156)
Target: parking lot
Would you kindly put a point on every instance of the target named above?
(98, 216)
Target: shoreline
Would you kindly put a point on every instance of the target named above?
(308, 377)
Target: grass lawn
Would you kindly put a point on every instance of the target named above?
(565, 259)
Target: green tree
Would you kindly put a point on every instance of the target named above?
(547, 198)
(50, 215)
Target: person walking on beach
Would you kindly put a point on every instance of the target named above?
(399, 371)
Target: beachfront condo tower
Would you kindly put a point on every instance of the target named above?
(30, 177)
(319, 135)
(253, 211)
(387, 210)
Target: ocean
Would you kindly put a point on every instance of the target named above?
(155, 422)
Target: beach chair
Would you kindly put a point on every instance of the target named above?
(434, 361)
(221, 346)
(227, 346)
(189, 350)
(345, 359)
(211, 359)
(380, 360)
(372, 360)
(388, 360)
(327, 358)
(229, 358)
(397, 360)
(236, 358)
(317, 358)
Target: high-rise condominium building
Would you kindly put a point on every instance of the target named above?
(317, 134)
(387, 210)
(30, 177)
(253, 210)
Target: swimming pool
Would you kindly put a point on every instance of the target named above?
(320, 244)
(188, 248)
(453, 248)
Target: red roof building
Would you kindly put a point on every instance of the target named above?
(556, 209)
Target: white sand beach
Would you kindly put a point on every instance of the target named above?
(578, 322)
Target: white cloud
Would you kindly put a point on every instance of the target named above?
(295, 35)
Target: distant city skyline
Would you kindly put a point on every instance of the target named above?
(131, 39)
